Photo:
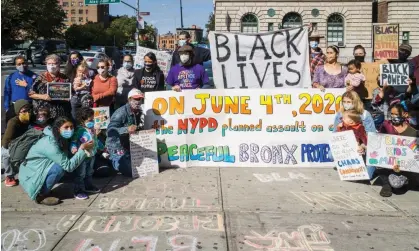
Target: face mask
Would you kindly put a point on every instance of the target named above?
(20, 68)
(148, 66)
(360, 58)
(52, 68)
(314, 44)
(403, 56)
(397, 120)
(348, 106)
(90, 124)
(24, 117)
(100, 71)
(75, 62)
(67, 133)
(109, 68)
(184, 58)
(127, 65)
(41, 120)
(135, 104)
(181, 42)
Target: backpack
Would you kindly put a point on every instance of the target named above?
(19, 147)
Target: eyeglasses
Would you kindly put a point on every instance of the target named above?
(102, 67)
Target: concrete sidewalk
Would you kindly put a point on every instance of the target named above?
(216, 209)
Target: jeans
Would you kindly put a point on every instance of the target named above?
(8, 169)
(53, 177)
(122, 163)
(84, 175)
(75, 105)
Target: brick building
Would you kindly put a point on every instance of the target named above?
(78, 13)
(196, 33)
(167, 41)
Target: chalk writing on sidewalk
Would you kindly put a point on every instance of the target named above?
(270, 177)
(28, 240)
(152, 203)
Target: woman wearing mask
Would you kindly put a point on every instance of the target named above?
(47, 161)
(72, 63)
(150, 78)
(332, 74)
(39, 92)
(359, 53)
(186, 75)
(104, 86)
(126, 80)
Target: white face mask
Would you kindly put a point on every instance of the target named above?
(52, 68)
(181, 42)
(348, 107)
(100, 71)
(184, 58)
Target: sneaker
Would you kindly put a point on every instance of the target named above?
(10, 182)
(47, 201)
(92, 189)
(81, 196)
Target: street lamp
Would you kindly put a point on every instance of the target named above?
(181, 15)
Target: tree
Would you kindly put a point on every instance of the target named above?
(210, 26)
(83, 36)
(148, 36)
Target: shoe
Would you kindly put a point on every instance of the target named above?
(10, 182)
(386, 191)
(81, 196)
(47, 201)
(92, 189)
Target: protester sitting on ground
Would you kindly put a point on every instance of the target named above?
(200, 55)
(150, 78)
(85, 132)
(82, 86)
(74, 60)
(39, 91)
(125, 121)
(359, 53)
(17, 86)
(316, 54)
(104, 86)
(42, 119)
(16, 127)
(126, 81)
(351, 121)
(332, 73)
(186, 75)
(397, 125)
(47, 161)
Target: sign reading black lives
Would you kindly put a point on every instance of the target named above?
(394, 74)
(59, 91)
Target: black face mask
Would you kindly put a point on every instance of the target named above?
(403, 56)
(360, 58)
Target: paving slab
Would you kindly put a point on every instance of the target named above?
(193, 189)
(299, 191)
(267, 231)
(32, 231)
(145, 231)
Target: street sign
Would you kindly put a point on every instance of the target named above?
(144, 13)
(95, 2)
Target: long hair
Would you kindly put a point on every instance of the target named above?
(62, 143)
(356, 100)
(83, 114)
(70, 69)
(153, 57)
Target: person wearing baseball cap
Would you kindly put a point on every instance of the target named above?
(127, 120)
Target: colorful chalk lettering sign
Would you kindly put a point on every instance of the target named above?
(394, 74)
(386, 41)
(102, 117)
(59, 91)
(389, 150)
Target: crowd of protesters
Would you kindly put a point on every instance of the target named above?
(67, 140)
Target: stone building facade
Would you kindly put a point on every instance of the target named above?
(79, 13)
(196, 33)
(167, 41)
(345, 23)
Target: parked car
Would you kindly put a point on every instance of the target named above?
(208, 69)
(92, 58)
(9, 56)
(42, 48)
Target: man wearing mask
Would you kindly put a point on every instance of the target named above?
(316, 54)
(359, 53)
(16, 127)
(127, 120)
(17, 86)
(201, 55)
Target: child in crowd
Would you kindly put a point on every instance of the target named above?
(352, 121)
(85, 132)
(355, 78)
(397, 125)
(42, 119)
(81, 86)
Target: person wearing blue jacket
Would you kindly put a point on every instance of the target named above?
(17, 86)
(47, 161)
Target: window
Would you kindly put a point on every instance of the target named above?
(81, 4)
(72, 3)
(65, 4)
(80, 12)
(249, 24)
(406, 37)
(66, 12)
(73, 19)
(65, 19)
(81, 19)
(270, 26)
(292, 20)
(87, 12)
(73, 12)
(335, 30)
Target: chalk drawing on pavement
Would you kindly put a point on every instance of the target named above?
(270, 177)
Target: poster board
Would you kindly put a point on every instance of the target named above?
(394, 74)
(102, 117)
(262, 60)
(143, 150)
(287, 127)
(386, 150)
(164, 59)
(347, 160)
(386, 41)
(371, 72)
(59, 91)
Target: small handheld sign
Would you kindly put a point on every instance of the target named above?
(394, 74)
(59, 91)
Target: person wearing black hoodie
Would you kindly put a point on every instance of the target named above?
(150, 78)
(201, 55)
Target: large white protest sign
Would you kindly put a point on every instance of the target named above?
(389, 150)
(164, 59)
(287, 127)
(394, 74)
(143, 150)
(349, 163)
(270, 60)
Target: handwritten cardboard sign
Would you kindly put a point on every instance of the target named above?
(389, 150)
(386, 41)
(59, 91)
(143, 145)
(102, 117)
(371, 72)
(349, 163)
(394, 74)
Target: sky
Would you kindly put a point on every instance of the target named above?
(165, 14)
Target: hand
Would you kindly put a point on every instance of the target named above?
(176, 88)
(321, 87)
(73, 150)
(46, 97)
(385, 85)
(98, 131)
(77, 81)
(349, 88)
(409, 89)
(132, 129)
(22, 83)
(396, 168)
(87, 146)
(361, 149)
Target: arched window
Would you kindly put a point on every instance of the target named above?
(335, 29)
(292, 20)
(250, 24)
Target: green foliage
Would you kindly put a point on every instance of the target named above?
(210, 26)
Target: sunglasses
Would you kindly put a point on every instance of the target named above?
(102, 67)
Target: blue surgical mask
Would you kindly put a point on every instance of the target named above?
(67, 133)
(90, 124)
(127, 65)
(314, 44)
(181, 42)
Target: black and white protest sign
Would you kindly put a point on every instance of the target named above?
(270, 60)
(394, 74)
(143, 150)
(59, 91)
